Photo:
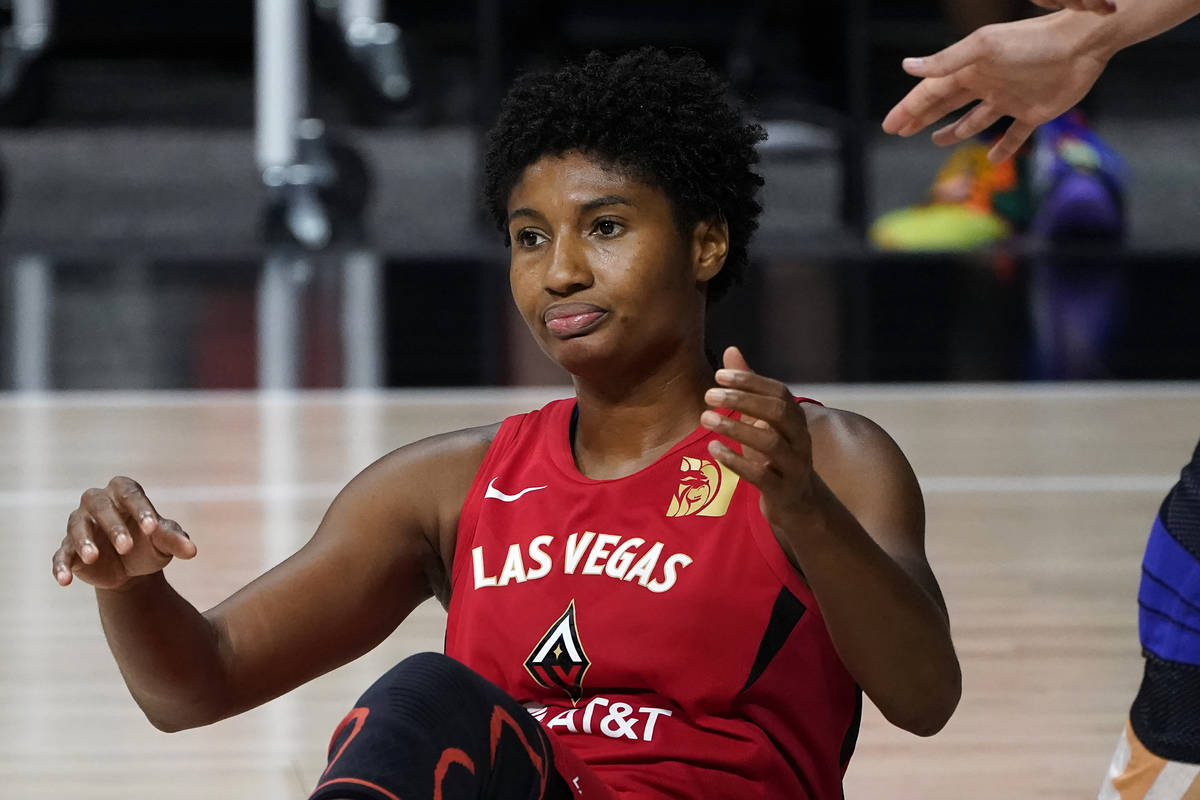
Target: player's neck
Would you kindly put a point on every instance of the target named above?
(623, 426)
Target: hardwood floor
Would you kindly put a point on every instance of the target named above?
(1039, 501)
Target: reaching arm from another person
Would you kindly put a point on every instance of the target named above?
(846, 508)
(1032, 70)
(384, 546)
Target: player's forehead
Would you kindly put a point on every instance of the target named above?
(576, 180)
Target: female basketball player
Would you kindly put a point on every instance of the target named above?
(683, 578)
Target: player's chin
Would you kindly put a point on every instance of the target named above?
(589, 355)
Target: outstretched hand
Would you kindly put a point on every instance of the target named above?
(1029, 70)
(776, 448)
(115, 535)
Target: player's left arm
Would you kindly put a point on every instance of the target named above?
(846, 508)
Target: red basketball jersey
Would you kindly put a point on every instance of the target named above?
(652, 622)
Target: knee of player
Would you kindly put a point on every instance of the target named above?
(421, 683)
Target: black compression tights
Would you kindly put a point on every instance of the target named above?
(433, 728)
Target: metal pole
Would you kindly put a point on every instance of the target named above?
(32, 311)
(32, 21)
(279, 293)
(362, 320)
(352, 11)
(281, 73)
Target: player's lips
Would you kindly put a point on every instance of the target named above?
(565, 320)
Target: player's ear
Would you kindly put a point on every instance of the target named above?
(710, 246)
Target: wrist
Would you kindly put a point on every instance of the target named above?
(1094, 36)
(808, 520)
(134, 584)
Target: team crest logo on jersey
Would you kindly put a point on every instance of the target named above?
(558, 660)
(705, 489)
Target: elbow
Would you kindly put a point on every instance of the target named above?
(931, 708)
(166, 725)
(926, 724)
(174, 723)
(925, 721)
(163, 720)
(173, 718)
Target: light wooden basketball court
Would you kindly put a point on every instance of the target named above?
(1039, 501)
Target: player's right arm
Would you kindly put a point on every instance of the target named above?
(384, 546)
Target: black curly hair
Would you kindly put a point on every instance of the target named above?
(664, 119)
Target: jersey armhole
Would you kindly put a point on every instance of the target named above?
(468, 518)
(772, 552)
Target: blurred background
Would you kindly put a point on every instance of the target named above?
(218, 195)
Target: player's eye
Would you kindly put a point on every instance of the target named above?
(527, 237)
(608, 227)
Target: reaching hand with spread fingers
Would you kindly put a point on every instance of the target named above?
(1032, 70)
(1027, 70)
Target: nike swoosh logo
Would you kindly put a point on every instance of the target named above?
(492, 491)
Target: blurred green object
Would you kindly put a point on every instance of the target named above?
(937, 226)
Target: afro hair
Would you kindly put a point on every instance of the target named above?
(664, 119)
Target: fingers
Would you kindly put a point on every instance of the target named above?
(747, 381)
(81, 537)
(778, 413)
(1010, 142)
(961, 54)
(929, 101)
(132, 500)
(733, 359)
(759, 473)
(765, 441)
(170, 539)
(63, 562)
(107, 519)
(766, 405)
(974, 122)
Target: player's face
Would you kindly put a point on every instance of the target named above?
(599, 269)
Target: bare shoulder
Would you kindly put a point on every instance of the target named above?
(849, 445)
(866, 470)
(433, 476)
(454, 448)
(433, 469)
(400, 515)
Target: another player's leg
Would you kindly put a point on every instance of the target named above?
(1158, 755)
(433, 728)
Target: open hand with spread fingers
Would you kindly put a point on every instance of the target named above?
(1031, 70)
(776, 447)
(116, 535)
